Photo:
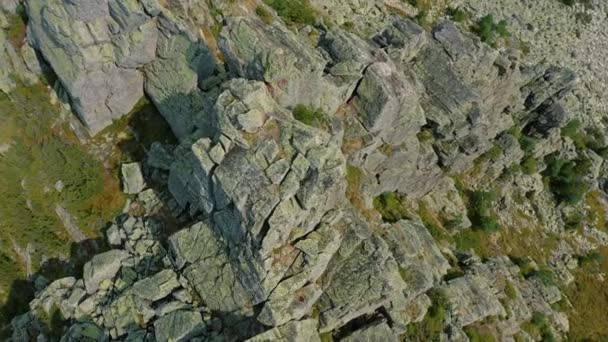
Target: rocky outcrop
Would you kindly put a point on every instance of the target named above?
(262, 242)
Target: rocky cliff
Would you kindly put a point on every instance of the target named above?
(358, 175)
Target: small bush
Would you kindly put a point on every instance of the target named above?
(529, 166)
(565, 178)
(309, 116)
(480, 211)
(574, 221)
(488, 30)
(528, 144)
(293, 11)
(457, 14)
(592, 258)
(544, 274)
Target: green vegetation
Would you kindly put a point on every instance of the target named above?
(489, 31)
(390, 206)
(565, 178)
(574, 221)
(42, 165)
(309, 116)
(544, 274)
(529, 164)
(539, 328)
(510, 290)
(430, 328)
(588, 295)
(480, 211)
(293, 11)
(457, 14)
(593, 139)
(16, 31)
(264, 14)
(478, 334)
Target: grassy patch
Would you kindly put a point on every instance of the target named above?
(538, 327)
(390, 206)
(588, 295)
(479, 334)
(264, 14)
(431, 327)
(43, 153)
(294, 11)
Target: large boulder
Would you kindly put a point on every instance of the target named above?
(82, 40)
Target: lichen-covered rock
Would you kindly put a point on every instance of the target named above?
(377, 331)
(132, 178)
(179, 326)
(102, 267)
(298, 331)
(472, 299)
(254, 237)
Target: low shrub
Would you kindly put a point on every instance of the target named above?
(489, 31)
(264, 14)
(480, 211)
(457, 14)
(565, 178)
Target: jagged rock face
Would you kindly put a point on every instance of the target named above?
(272, 249)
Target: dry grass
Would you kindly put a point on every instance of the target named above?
(589, 297)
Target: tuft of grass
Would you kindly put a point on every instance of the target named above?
(17, 28)
(390, 206)
(264, 14)
(457, 14)
(294, 11)
(510, 290)
(309, 116)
